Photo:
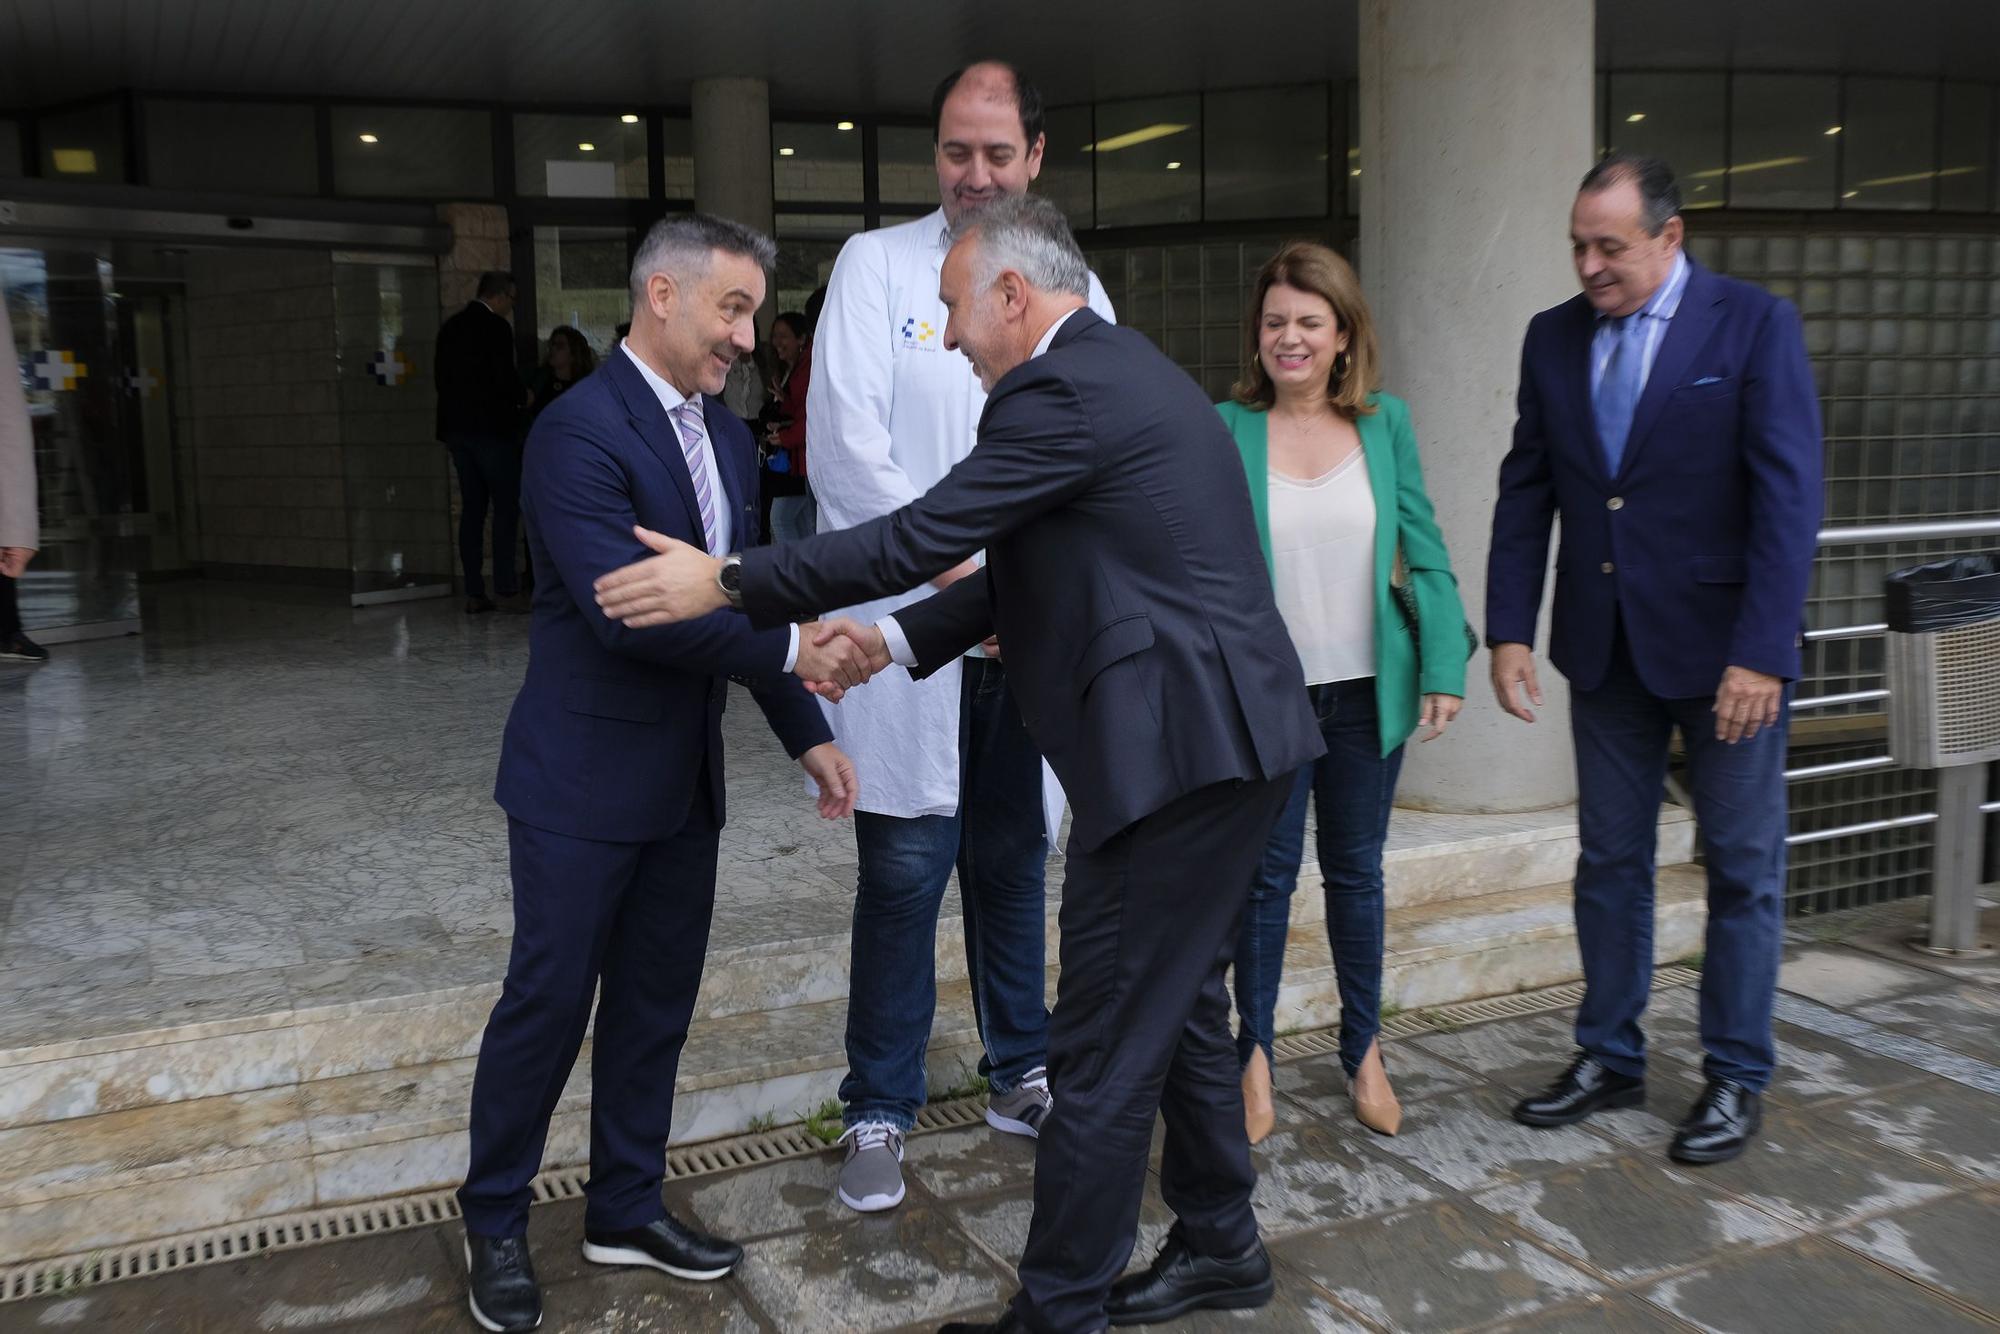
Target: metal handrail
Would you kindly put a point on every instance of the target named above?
(1834, 701)
(1861, 534)
(1847, 632)
(1865, 827)
(1838, 767)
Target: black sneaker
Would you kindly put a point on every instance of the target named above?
(475, 606)
(505, 1297)
(20, 648)
(668, 1245)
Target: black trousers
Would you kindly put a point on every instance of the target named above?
(631, 919)
(489, 473)
(10, 609)
(1141, 1024)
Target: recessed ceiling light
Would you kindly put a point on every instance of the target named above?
(1833, 129)
(784, 152)
(369, 139)
(1173, 166)
(1356, 171)
(629, 119)
(1131, 137)
(1635, 118)
(843, 125)
(586, 148)
(1850, 194)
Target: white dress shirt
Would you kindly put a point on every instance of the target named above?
(725, 526)
(888, 414)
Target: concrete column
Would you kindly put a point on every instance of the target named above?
(1475, 128)
(732, 150)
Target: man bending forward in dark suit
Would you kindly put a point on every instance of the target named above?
(611, 770)
(1128, 592)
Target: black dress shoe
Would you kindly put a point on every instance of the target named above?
(1008, 1323)
(476, 606)
(505, 1297)
(1587, 1086)
(1180, 1280)
(668, 1245)
(1719, 1125)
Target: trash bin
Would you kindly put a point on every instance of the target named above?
(1943, 662)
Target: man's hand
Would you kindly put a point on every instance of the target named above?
(1514, 668)
(1746, 703)
(835, 656)
(834, 772)
(968, 566)
(676, 585)
(1437, 714)
(841, 636)
(991, 646)
(14, 560)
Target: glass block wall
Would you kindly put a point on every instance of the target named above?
(1903, 328)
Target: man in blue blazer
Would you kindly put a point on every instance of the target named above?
(1668, 414)
(611, 769)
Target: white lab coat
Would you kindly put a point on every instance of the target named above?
(890, 412)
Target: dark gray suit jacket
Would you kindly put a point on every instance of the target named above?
(1123, 577)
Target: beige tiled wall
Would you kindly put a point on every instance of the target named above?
(263, 417)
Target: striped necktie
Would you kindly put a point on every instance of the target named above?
(687, 417)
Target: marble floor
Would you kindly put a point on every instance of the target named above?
(272, 800)
(271, 794)
(1870, 1202)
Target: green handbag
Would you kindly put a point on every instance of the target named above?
(1406, 601)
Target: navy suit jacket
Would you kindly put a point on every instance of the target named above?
(613, 725)
(1703, 541)
(1124, 578)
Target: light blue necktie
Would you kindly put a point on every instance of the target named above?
(1617, 394)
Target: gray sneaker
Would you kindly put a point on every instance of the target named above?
(872, 1178)
(1022, 1109)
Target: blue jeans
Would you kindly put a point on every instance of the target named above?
(998, 843)
(793, 518)
(1621, 731)
(1353, 787)
(489, 473)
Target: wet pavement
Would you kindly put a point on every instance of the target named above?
(1871, 1202)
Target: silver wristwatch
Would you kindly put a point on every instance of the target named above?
(729, 579)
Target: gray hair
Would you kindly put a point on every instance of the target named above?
(1659, 193)
(683, 246)
(1028, 234)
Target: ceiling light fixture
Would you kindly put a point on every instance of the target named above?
(843, 125)
(1850, 194)
(1769, 164)
(1833, 129)
(586, 148)
(784, 152)
(370, 139)
(1173, 166)
(629, 118)
(1144, 135)
(1635, 118)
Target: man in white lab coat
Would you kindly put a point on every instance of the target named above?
(948, 775)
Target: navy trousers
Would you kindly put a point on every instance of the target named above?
(1621, 731)
(632, 918)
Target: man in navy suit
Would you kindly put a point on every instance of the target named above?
(611, 770)
(1668, 414)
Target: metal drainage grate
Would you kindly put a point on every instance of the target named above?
(72, 1273)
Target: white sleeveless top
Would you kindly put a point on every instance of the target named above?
(1323, 568)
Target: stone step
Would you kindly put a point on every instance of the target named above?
(181, 1041)
(153, 1170)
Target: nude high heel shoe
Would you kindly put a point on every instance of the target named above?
(1381, 1112)
(1260, 1113)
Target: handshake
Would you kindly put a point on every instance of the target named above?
(837, 655)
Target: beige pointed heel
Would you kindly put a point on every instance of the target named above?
(1378, 1110)
(1260, 1112)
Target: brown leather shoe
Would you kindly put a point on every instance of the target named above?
(1260, 1112)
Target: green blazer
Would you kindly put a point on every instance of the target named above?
(1402, 509)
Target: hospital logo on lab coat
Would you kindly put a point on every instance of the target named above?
(919, 333)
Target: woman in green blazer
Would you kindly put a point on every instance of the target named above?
(1340, 506)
